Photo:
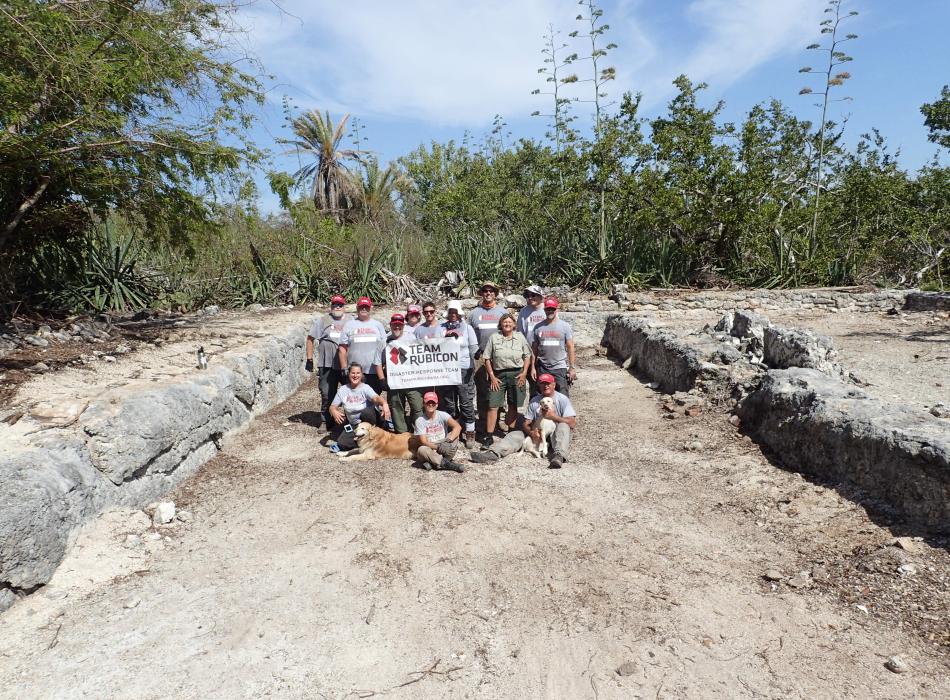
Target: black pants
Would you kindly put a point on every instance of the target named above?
(560, 378)
(330, 380)
(374, 383)
(345, 439)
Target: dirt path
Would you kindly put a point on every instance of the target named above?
(297, 576)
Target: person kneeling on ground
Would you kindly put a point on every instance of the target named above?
(439, 434)
(355, 402)
(562, 415)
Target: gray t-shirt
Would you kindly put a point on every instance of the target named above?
(562, 406)
(354, 401)
(436, 430)
(485, 322)
(551, 341)
(326, 332)
(528, 318)
(425, 332)
(365, 341)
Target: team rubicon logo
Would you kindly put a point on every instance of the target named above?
(397, 355)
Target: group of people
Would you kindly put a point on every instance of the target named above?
(503, 359)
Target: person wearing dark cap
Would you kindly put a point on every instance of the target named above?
(552, 342)
(438, 433)
(484, 321)
(561, 413)
(362, 342)
(326, 333)
(398, 398)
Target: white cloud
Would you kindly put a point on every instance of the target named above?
(458, 63)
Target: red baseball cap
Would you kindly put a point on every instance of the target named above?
(337, 299)
(364, 301)
(430, 396)
(397, 318)
(550, 303)
(546, 379)
(414, 309)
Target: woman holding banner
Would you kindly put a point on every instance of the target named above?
(507, 361)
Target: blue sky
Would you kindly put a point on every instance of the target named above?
(414, 71)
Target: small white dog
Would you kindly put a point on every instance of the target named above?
(547, 428)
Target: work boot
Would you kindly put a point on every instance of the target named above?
(557, 461)
(448, 465)
(484, 457)
(469, 440)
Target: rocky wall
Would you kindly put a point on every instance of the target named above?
(896, 455)
(127, 448)
(812, 420)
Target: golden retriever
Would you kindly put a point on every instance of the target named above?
(376, 443)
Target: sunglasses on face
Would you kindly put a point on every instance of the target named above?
(428, 311)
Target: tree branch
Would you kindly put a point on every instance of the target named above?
(21, 211)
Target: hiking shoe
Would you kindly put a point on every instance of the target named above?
(334, 448)
(484, 457)
(469, 441)
(449, 465)
(487, 441)
(557, 461)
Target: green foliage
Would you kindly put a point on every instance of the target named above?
(98, 114)
(937, 118)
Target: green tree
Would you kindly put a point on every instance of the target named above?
(116, 106)
(937, 118)
(374, 191)
(332, 186)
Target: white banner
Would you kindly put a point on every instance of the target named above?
(411, 364)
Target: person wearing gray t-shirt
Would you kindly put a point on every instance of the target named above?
(484, 321)
(552, 342)
(532, 314)
(326, 333)
(363, 341)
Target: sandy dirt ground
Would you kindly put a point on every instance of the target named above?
(638, 570)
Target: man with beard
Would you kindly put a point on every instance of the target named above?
(326, 333)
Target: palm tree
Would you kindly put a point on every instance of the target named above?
(332, 187)
(374, 191)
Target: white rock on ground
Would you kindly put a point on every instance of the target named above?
(164, 513)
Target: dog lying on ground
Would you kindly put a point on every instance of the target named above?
(540, 449)
(376, 443)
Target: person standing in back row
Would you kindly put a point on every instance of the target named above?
(362, 343)
(484, 321)
(532, 314)
(552, 342)
(326, 333)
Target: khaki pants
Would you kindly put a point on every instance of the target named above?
(434, 455)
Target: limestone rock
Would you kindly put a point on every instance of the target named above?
(824, 427)
(795, 347)
(164, 513)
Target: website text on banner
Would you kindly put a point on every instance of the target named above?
(431, 362)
